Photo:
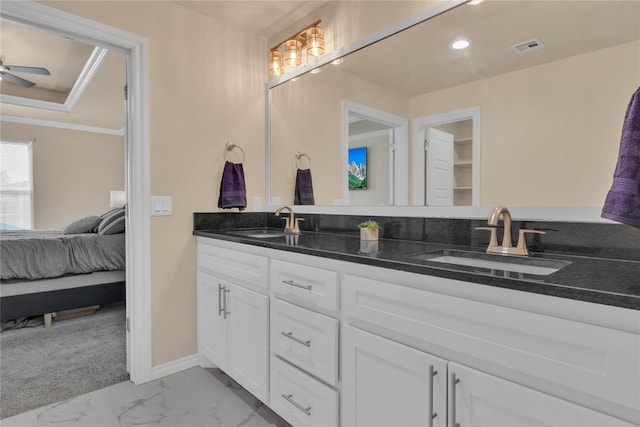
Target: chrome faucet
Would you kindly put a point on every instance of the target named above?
(291, 225)
(507, 247)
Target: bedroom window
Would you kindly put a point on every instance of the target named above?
(16, 186)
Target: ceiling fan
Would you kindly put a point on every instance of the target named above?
(6, 70)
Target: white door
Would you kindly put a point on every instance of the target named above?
(390, 384)
(248, 331)
(439, 175)
(478, 399)
(212, 326)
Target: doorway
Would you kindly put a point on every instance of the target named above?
(384, 136)
(135, 48)
(446, 159)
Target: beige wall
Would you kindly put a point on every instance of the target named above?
(206, 88)
(550, 133)
(73, 171)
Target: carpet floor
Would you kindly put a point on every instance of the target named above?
(73, 357)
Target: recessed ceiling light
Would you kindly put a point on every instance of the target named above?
(315, 71)
(460, 44)
(337, 61)
(475, 2)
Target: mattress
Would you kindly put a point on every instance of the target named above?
(42, 254)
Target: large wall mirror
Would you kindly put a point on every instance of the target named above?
(529, 114)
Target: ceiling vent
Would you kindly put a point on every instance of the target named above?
(527, 46)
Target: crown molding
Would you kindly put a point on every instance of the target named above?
(61, 125)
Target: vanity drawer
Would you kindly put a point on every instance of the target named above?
(310, 286)
(308, 340)
(591, 365)
(236, 266)
(300, 399)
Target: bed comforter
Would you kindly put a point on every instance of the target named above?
(42, 254)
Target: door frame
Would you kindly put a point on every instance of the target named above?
(418, 127)
(137, 181)
(400, 125)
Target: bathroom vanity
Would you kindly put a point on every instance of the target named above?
(326, 334)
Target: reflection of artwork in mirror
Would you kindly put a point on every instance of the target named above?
(357, 168)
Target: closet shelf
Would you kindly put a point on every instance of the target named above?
(462, 188)
(463, 164)
(463, 141)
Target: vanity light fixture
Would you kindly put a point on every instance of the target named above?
(315, 70)
(460, 44)
(337, 61)
(310, 38)
(475, 2)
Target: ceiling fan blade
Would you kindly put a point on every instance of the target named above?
(32, 70)
(15, 79)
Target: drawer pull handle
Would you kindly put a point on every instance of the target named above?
(453, 380)
(220, 309)
(225, 313)
(431, 414)
(289, 399)
(297, 285)
(296, 339)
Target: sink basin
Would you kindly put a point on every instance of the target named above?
(259, 234)
(535, 266)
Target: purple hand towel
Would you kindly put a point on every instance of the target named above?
(233, 193)
(304, 188)
(623, 200)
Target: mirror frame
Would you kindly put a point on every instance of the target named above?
(531, 213)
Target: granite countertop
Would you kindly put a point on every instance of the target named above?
(592, 279)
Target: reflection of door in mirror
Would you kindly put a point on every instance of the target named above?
(385, 137)
(448, 162)
(439, 176)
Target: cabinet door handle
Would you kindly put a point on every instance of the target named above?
(430, 414)
(289, 398)
(297, 285)
(220, 309)
(225, 313)
(296, 339)
(452, 399)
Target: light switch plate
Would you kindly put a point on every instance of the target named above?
(160, 205)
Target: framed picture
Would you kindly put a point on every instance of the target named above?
(357, 168)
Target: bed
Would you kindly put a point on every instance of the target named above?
(48, 271)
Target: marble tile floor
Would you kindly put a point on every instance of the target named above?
(193, 397)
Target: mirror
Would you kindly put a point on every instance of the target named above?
(549, 82)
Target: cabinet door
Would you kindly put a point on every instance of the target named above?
(478, 399)
(390, 384)
(212, 327)
(248, 321)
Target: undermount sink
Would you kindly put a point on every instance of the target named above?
(259, 234)
(535, 266)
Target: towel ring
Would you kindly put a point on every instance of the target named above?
(229, 146)
(299, 155)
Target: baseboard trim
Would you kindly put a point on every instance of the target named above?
(176, 366)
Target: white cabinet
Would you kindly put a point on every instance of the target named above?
(300, 399)
(390, 384)
(308, 340)
(480, 400)
(233, 321)
(590, 365)
(247, 339)
(212, 327)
